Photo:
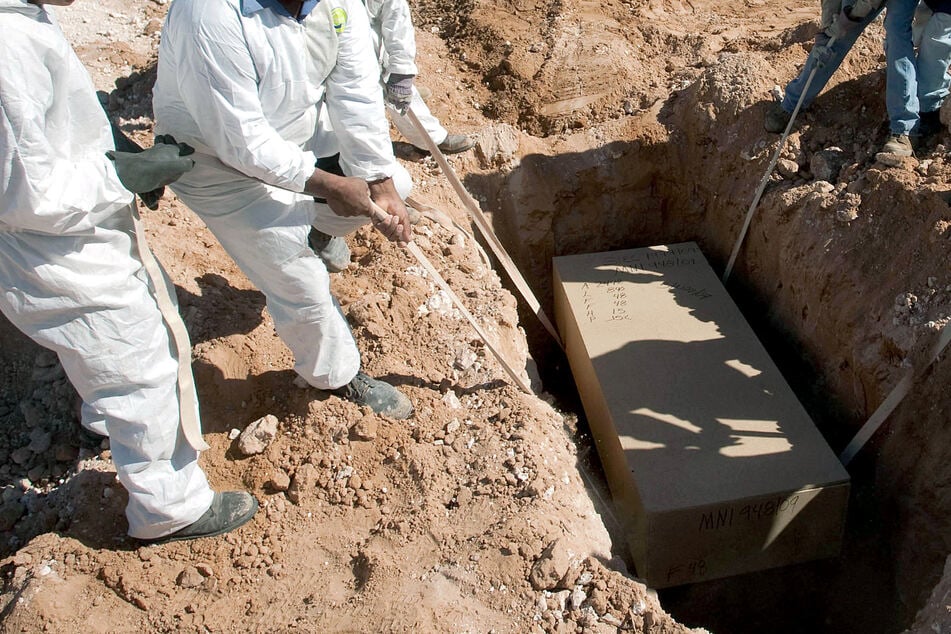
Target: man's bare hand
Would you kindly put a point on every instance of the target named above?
(396, 226)
(347, 196)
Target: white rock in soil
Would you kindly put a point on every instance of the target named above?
(258, 435)
(578, 596)
(450, 399)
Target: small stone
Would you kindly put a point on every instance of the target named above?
(365, 428)
(464, 496)
(279, 481)
(787, 169)
(611, 620)
(465, 359)
(31, 414)
(147, 553)
(234, 433)
(65, 453)
(258, 435)
(578, 595)
(11, 494)
(304, 480)
(550, 567)
(189, 578)
(37, 473)
(847, 214)
(153, 26)
(450, 399)
(826, 164)
(21, 456)
(355, 482)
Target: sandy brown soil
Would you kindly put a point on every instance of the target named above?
(600, 125)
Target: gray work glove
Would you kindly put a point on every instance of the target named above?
(399, 91)
(147, 172)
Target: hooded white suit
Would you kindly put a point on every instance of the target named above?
(71, 277)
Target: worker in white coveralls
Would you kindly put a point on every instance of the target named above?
(395, 42)
(72, 276)
(233, 82)
(323, 54)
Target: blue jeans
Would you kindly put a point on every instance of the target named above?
(934, 56)
(901, 78)
(826, 60)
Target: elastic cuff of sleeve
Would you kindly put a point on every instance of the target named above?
(308, 161)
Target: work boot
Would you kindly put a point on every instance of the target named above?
(228, 511)
(455, 143)
(381, 397)
(898, 144)
(776, 118)
(929, 123)
(332, 250)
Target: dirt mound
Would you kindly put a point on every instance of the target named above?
(599, 126)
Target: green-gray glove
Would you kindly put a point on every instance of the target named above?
(152, 168)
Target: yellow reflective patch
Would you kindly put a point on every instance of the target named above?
(339, 17)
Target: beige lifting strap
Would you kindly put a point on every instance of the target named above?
(187, 397)
(896, 396)
(485, 228)
(772, 164)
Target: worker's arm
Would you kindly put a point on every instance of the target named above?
(397, 35)
(394, 27)
(47, 184)
(358, 116)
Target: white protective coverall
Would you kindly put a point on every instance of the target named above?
(71, 277)
(322, 51)
(233, 81)
(395, 42)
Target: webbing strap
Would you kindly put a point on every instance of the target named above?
(898, 393)
(187, 397)
(772, 165)
(485, 228)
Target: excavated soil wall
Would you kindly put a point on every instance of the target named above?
(845, 275)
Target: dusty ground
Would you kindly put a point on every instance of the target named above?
(600, 125)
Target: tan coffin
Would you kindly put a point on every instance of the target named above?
(712, 461)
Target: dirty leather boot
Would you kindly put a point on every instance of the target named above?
(331, 249)
(228, 511)
(381, 397)
(898, 144)
(455, 143)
